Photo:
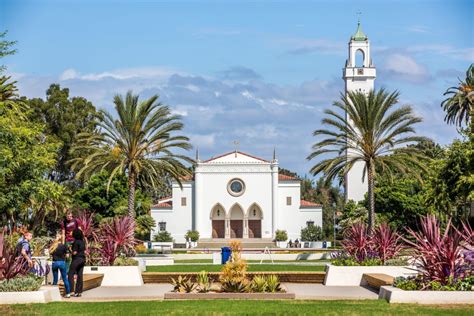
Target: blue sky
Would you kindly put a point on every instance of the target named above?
(259, 72)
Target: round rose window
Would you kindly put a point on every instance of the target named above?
(236, 187)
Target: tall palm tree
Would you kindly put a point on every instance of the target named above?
(372, 131)
(459, 105)
(139, 143)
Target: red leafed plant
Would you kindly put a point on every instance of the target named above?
(386, 243)
(11, 265)
(117, 238)
(357, 242)
(439, 253)
(86, 222)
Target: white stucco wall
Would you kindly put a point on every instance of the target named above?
(178, 219)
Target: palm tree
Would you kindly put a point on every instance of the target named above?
(458, 105)
(139, 143)
(374, 132)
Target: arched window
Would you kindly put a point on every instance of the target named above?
(359, 58)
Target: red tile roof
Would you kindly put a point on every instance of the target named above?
(167, 204)
(304, 203)
(284, 177)
(231, 152)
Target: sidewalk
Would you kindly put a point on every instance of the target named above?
(303, 291)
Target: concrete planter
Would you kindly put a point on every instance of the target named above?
(282, 244)
(229, 296)
(352, 275)
(45, 294)
(396, 295)
(118, 275)
(154, 260)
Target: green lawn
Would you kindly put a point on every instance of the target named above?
(250, 261)
(216, 268)
(230, 307)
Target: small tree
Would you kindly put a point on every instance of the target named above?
(192, 234)
(281, 235)
(311, 233)
(163, 236)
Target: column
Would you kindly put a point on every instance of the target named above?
(274, 168)
(197, 203)
(227, 227)
(246, 227)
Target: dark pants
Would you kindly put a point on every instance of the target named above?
(61, 266)
(76, 267)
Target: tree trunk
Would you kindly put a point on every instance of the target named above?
(370, 178)
(131, 193)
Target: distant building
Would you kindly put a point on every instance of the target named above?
(359, 75)
(236, 195)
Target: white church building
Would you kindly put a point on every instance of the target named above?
(236, 195)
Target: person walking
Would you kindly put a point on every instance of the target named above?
(23, 248)
(78, 262)
(59, 253)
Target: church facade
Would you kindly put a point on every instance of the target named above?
(235, 195)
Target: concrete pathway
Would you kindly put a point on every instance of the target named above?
(304, 291)
(307, 291)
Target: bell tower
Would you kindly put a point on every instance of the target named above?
(359, 75)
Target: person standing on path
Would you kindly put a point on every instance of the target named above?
(78, 262)
(68, 225)
(59, 252)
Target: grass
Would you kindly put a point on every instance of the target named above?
(218, 267)
(233, 307)
(251, 261)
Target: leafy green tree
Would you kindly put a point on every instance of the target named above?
(451, 184)
(6, 48)
(111, 202)
(26, 155)
(140, 143)
(459, 104)
(374, 132)
(144, 225)
(64, 117)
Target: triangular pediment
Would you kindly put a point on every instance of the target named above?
(236, 157)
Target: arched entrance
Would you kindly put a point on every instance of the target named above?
(236, 222)
(254, 217)
(218, 221)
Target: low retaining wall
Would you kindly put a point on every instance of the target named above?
(396, 295)
(290, 277)
(118, 275)
(259, 256)
(229, 296)
(45, 294)
(352, 275)
(155, 260)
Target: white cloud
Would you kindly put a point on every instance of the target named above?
(443, 49)
(202, 140)
(405, 67)
(68, 74)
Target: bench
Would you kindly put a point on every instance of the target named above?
(90, 281)
(376, 280)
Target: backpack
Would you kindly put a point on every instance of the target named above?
(19, 247)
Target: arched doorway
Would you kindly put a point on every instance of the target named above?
(255, 216)
(236, 222)
(218, 221)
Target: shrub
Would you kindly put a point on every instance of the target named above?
(311, 233)
(439, 253)
(204, 285)
(234, 272)
(11, 265)
(273, 284)
(281, 235)
(357, 242)
(419, 284)
(163, 236)
(178, 284)
(140, 248)
(21, 284)
(39, 244)
(144, 225)
(193, 235)
(258, 284)
(117, 238)
(386, 243)
(125, 261)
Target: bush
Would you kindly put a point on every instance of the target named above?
(204, 284)
(234, 272)
(163, 236)
(125, 261)
(140, 248)
(281, 235)
(419, 284)
(311, 233)
(192, 234)
(21, 284)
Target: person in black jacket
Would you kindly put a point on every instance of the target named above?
(58, 252)
(78, 262)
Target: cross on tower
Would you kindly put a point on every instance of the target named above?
(236, 144)
(358, 14)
